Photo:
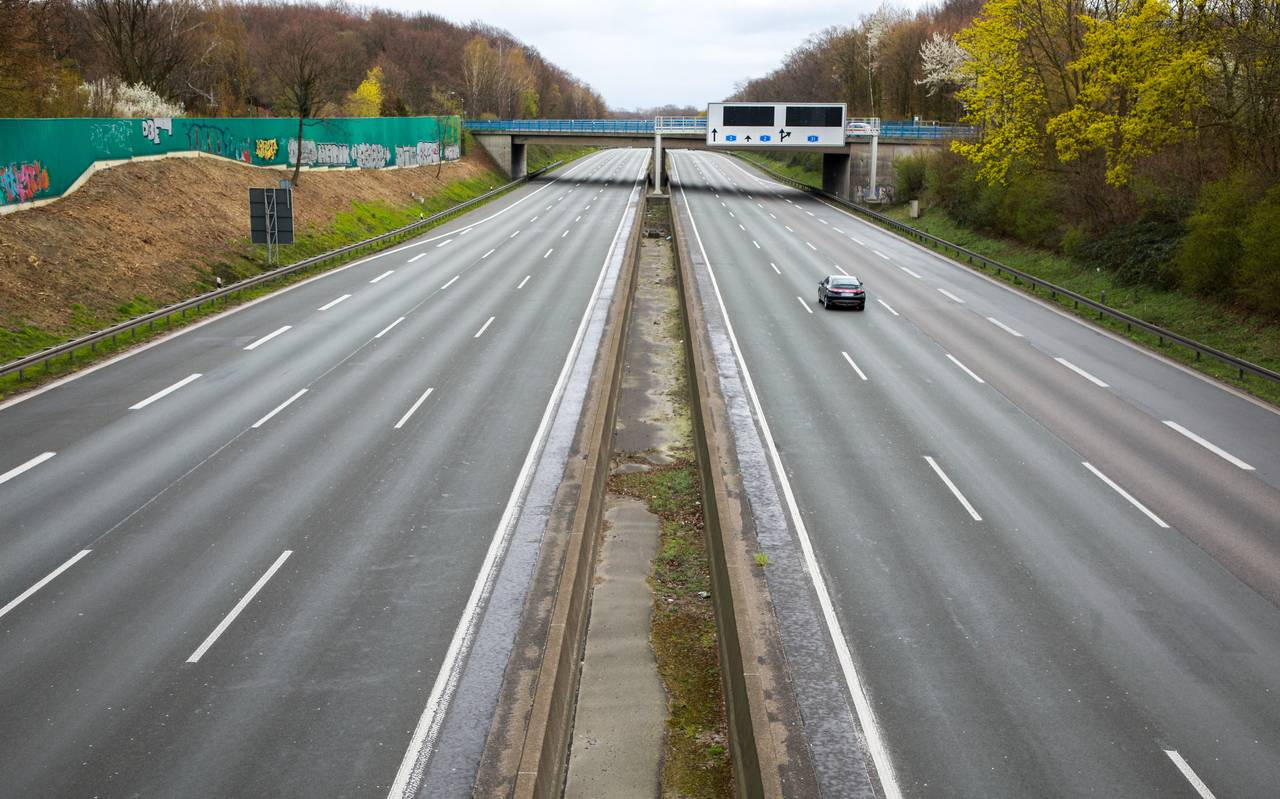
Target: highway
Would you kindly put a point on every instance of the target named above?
(250, 559)
(1036, 560)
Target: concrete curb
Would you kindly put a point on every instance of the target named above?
(759, 702)
(527, 751)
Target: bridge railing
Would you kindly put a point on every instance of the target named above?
(886, 129)
(680, 125)
(560, 125)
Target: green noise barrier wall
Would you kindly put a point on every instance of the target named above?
(42, 159)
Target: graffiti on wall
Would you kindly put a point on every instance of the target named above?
(266, 149)
(217, 140)
(320, 154)
(424, 153)
(370, 156)
(22, 182)
(452, 152)
(109, 138)
(151, 128)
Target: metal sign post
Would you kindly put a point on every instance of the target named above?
(271, 219)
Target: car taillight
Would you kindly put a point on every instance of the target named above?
(857, 291)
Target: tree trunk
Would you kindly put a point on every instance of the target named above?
(297, 162)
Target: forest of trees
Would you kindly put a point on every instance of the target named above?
(226, 58)
(1142, 135)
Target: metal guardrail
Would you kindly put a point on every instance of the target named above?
(1242, 366)
(131, 325)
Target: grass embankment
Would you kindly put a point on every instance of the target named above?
(238, 261)
(539, 155)
(1235, 332)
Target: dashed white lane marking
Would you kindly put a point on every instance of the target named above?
(943, 475)
(576, 218)
(547, 254)
(740, 227)
(464, 232)
(1135, 503)
(854, 365)
(513, 235)
(731, 214)
(413, 408)
(950, 296)
(268, 337)
(823, 221)
(882, 255)
(810, 246)
(387, 329)
(391, 272)
(277, 409)
(444, 243)
(29, 465)
(48, 578)
(1192, 777)
(534, 219)
(1214, 448)
(588, 207)
(452, 280)
(857, 241)
(887, 307)
(1081, 372)
(775, 267)
(772, 216)
(722, 203)
(909, 272)
(758, 205)
(240, 606)
(838, 269)
(483, 328)
(753, 241)
(966, 369)
(414, 258)
(522, 282)
(804, 304)
(1003, 326)
(836, 229)
(810, 213)
(565, 233)
(164, 392)
(788, 227)
(486, 255)
(332, 303)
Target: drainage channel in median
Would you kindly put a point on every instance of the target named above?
(650, 718)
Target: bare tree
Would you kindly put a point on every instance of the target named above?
(303, 65)
(146, 41)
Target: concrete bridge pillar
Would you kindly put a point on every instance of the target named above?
(509, 155)
(835, 173)
(657, 163)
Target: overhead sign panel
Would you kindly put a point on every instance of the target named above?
(747, 125)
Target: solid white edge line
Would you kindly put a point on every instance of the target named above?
(390, 272)
(267, 338)
(452, 280)
(1190, 774)
(424, 733)
(240, 606)
(1003, 326)
(484, 327)
(31, 464)
(164, 392)
(854, 365)
(522, 282)
(1115, 487)
(414, 407)
(954, 490)
(1081, 372)
(387, 329)
(887, 307)
(950, 296)
(966, 369)
(332, 303)
(866, 715)
(804, 304)
(1209, 445)
(20, 598)
(277, 409)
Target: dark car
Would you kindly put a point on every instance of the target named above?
(842, 290)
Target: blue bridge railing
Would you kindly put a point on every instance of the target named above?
(888, 129)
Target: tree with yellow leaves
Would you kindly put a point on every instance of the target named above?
(366, 100)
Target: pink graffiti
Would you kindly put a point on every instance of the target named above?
(21, 182)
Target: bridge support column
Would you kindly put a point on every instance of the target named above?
(506, 153)
(875, 160)
(835, 173)
(657, 163)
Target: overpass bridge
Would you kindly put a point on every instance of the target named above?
(860, 161)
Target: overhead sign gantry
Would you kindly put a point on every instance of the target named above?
(745, 125)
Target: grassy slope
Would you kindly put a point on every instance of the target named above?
(1238, 333)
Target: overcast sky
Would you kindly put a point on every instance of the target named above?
(646, 53)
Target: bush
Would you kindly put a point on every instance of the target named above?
(1210, 253)
(1258, 277)
(1140, 253)
(909, 176)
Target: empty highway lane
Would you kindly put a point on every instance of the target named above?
(249, 560)
(1043, 562)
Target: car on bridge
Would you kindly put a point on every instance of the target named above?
(835, 290)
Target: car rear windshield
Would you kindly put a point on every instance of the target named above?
(846, 284)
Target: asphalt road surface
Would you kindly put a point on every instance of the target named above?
(247, 560)
(1052, 559)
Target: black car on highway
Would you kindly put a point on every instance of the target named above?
(842, 290)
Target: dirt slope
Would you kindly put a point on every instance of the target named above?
(140, 229)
